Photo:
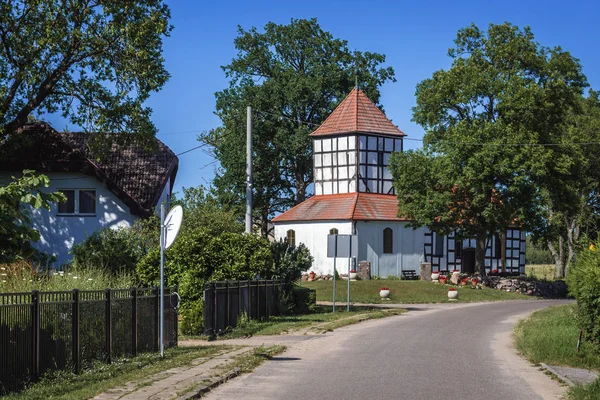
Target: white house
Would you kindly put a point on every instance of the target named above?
(128, 184)
(354, 194)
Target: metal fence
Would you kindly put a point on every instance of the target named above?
(44, 331)
(225, 301)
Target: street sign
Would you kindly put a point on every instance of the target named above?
(347, 246)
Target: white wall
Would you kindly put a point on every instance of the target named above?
(314, 236)
(164, 196)
(407, 247)
(59, 233)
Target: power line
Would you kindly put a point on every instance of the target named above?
(192, 149)
(288, 118)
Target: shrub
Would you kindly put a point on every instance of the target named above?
(583, 281)
(289, 261)
(305, 300)
(192, 317)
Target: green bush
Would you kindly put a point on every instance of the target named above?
(305, 300)
(192, 317)
(536, 253)
(289, 261)
(583, 280)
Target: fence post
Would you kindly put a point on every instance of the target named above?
(175, 315)
(228, 305)
(239, 283)
(35, 315)
(258, 299)
(134, 326)
(75, 318)
(215, 310)
(156, 318)
(249, 301)
(267, 305)
(108, 325)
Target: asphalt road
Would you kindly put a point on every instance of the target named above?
(449, 351)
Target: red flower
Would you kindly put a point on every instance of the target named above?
(494, 271)
(352, 271)
(452, 289)
(385, 288)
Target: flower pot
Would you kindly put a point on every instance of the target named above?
(384, 294)
(453, 294)
(464, 282)
(435, 276)
(311, 276)
(352, 275)
(443, 279)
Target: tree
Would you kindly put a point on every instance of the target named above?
(15, 233)
(94, 61)
(293, 76)
(473, 175)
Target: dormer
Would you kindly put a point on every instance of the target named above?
(352, 148)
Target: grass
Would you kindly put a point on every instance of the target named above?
(550, 336)
(248, 362)
(540, 271)
(320, 321)
(405, 292)
(101, 377)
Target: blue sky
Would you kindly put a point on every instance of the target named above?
(414, 35)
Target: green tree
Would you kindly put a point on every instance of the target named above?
(293, 76)
(473, 175)
(15, 233)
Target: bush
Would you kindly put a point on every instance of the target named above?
(192, 317)
(289, 261)
(117, 250)
(305, 300)
(583, 280)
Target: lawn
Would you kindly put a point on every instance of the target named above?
(550, 336)
(322, 320)
(404, 292)
(101, 377)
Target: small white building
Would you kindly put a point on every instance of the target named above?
(113, 192)
(354, 194)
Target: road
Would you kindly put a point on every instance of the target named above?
(446, 351)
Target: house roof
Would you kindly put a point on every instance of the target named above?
(137, 176)
(350, 206)
(356, 113)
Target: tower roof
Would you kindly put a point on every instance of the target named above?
(356, 113)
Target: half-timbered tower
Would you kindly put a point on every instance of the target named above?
(354, 194)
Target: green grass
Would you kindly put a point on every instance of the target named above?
(101, 377)
(321, 320)
(550, 336)
(540, 271)
(404, 292)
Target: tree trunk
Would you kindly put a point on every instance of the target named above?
(558, 253)
(480, 245)
(300, 188)
(264, 222)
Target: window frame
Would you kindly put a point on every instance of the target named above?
(334, 231)
(77, 203)
(438, 238)
(291, 233)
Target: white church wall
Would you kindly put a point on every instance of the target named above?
(407, 248)
(314, 236)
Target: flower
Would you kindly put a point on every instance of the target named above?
(592, 247)
(452, 289)
(475, 279)
(456, 270)
(385, 288)
(352, 271)
(494, 271)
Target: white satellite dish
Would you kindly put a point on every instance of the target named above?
(172, 225)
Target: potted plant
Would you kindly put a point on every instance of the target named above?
(352, 274)
(384, 292)
(455, 271)
(474, 282)
(435, 276)
(464, 281)
(452, 293)
(443, 279)
(311, 276)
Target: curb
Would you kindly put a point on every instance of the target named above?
(559, 376)
(202, 390)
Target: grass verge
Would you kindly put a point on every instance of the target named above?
(405, 292)
(102, 377)
(550, 336)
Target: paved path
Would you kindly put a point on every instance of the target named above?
(446, 351)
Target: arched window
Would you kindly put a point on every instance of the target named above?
(388, 241)
(333, 231)
(291, 237)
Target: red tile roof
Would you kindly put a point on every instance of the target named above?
(350, 206)
(356, 113)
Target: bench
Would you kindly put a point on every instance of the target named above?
(410, 275)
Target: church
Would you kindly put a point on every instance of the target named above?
(354, 194)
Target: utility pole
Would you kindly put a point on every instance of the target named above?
(249, 170)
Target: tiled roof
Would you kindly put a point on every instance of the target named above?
(135, 175)
(356, 113)
(350, 206)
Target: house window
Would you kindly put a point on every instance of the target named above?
(388, 241)
(333, 231)
(497, 246)
(458, 247)
(438, 249)
(78, 202)
(291, 237)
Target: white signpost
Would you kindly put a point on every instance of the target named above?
(342, 246)
(169, 228)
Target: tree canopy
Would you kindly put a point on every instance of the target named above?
(476, 173)
(293, 76)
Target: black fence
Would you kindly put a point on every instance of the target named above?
(45, 331)
(225, 301)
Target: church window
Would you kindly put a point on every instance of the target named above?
(291, 237)
(388, 241)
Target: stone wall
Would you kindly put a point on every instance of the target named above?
(530, 287)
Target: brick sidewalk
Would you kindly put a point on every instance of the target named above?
(176, 383)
